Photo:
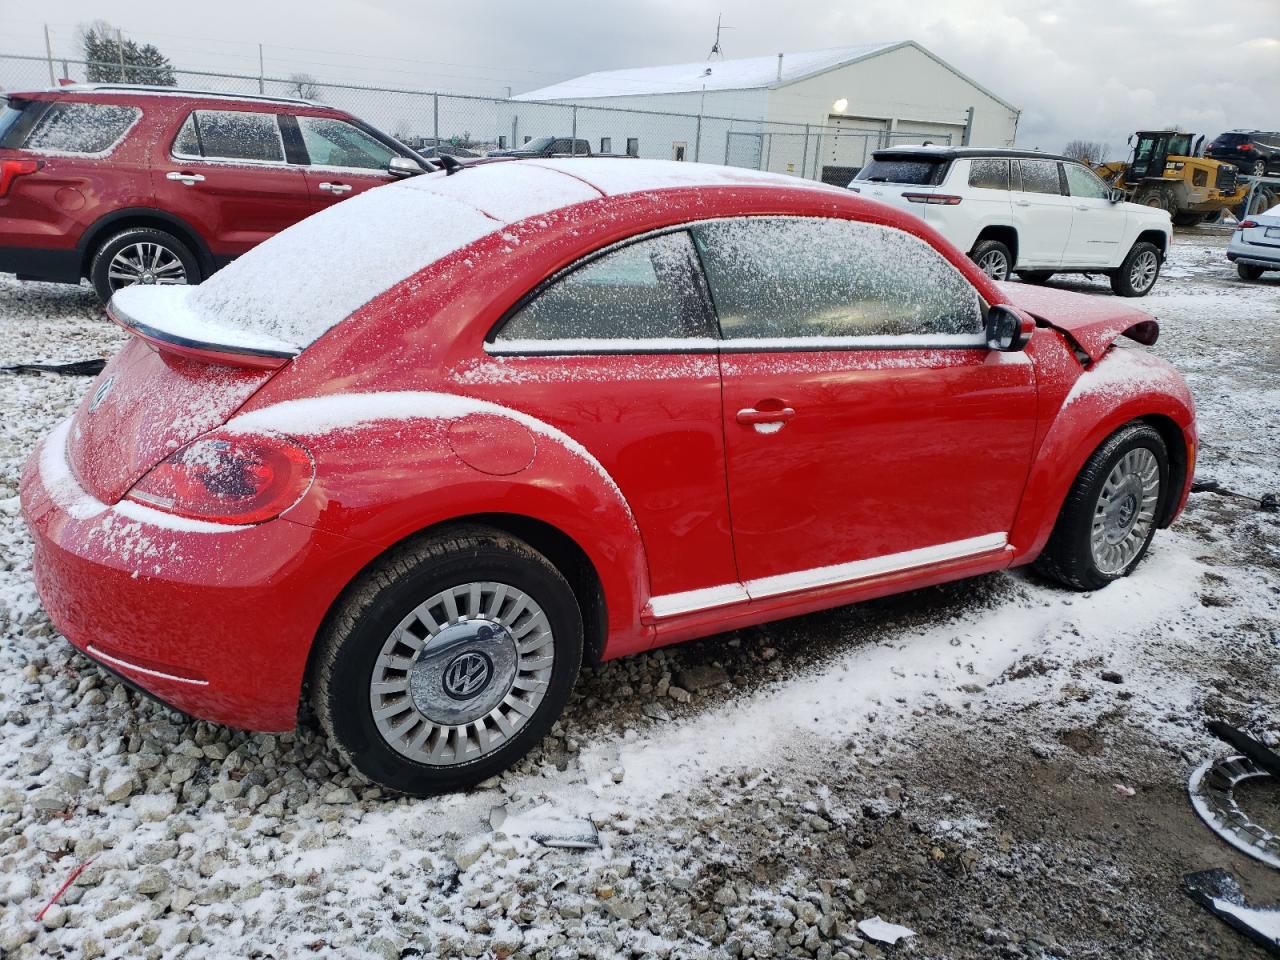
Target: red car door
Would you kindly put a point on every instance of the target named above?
(619, 353)
(343, 159)
(226, 173)
(867, 427)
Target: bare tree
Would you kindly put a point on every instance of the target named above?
(304, 86)
(1086, 151)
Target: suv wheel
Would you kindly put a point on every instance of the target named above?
(1248, 272)
(993, 258)
(447, 661)
(1259, 168)
(141, 255)
(1139, 271)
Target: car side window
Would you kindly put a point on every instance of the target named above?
(790, 277)
(645, 291)
(230, 135)
(81, 128)
(1040, 176)
(989, 174)
(1083, 182)
(336, 143)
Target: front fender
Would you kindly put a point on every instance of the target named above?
(389, 465)
(1126, 384)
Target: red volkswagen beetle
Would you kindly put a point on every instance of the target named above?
(418, 456)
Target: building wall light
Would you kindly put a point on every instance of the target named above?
(840, 106)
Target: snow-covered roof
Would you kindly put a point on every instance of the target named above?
(742, 74)
(287, 291)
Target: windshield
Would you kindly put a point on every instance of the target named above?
(540, 144)
(918, 171)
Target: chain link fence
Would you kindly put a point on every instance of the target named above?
(464, 124)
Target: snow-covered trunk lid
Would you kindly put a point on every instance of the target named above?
(145, 405)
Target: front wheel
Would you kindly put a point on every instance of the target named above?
(1109, 517)
(993, 258)
(1034, 276)
(1139, 271)
(447, 661)
(142, 255)
(1248, 272)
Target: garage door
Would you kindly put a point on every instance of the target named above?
(850, 141)
(942, 134)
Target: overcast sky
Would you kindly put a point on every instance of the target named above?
(1092, 69)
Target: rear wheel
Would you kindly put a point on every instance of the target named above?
(142, 255)
(1187, 219)
(1034, 276)
(1248, 272)
(1157, 197)
(1259, 168)
(993, 258)
(1139, 271)
(447, 661)
(1109, 517)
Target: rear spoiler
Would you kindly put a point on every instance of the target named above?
(162, 317)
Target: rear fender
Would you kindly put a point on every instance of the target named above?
(1125, 385)
(467, 457)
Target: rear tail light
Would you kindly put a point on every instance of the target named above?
(10, 170)
(945, 199)
(1245, 146)
(1246, 224)
(229, 478)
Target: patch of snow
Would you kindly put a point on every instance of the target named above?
(1125, 372)
(618, 175)
(1264, 921)
(882, 931)
(59, 482)
(736, 74)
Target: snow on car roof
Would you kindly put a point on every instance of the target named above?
(743, 73)
(289, 290)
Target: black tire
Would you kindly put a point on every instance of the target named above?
(99, 266)
(1187, 219)
(1035, 276)
(351, 640)
(993, 252)
(1157, 197)
(1248, 272)
(1123, 282)
(1068, 556)
(1259, 168)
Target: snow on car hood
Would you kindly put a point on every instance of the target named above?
(1093, 323)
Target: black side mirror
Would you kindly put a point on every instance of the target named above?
(1114, 195)
(1007, 330)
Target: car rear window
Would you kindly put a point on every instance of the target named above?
(1230, 140)
(81, 128)
(917, 171)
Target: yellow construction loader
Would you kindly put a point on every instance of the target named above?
(1165, 172)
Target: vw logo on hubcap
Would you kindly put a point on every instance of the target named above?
(467, 675)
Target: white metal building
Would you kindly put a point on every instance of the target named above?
(796, 112)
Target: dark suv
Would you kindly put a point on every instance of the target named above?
(1255, 152)
(127, 185)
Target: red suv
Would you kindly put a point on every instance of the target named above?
(127, 185)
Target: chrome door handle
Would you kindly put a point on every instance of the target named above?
(336, 187)
(188, 178)
(750, 415)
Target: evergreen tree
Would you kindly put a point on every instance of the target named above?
(111, 61)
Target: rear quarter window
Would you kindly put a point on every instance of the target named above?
(989, 174)
(82, 129)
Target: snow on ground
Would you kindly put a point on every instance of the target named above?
(997, 764)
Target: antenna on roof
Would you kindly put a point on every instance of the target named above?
(715, 47)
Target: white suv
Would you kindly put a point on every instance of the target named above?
(1023, 212)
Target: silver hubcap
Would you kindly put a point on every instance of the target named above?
(147, 263)
(462, 674)
(1126, 510)
(994, 264)
(1143, 272)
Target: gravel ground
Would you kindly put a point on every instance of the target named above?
(996, 764)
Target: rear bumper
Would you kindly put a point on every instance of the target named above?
(1254, 258)
(216, 621)
(35, 263)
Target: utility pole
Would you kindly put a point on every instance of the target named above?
(968, 127)
(120, 51)
(48, 53)
(261, 89)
